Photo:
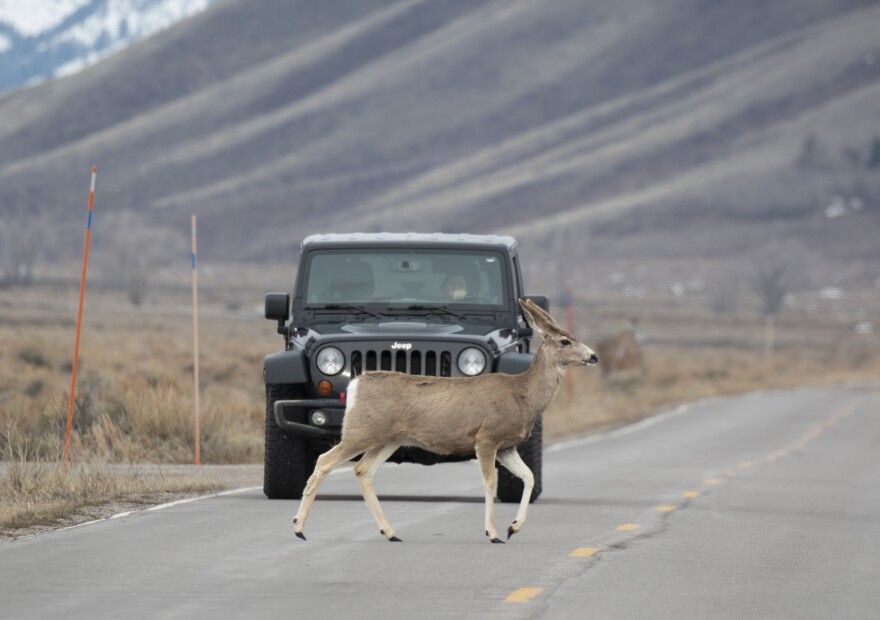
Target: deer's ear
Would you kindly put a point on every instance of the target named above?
(528, 307)
(542, 315)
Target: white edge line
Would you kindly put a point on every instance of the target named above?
(121, 515)
(188, 500)
(637, 426)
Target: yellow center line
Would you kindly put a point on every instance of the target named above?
(523, 595)
(811, 435)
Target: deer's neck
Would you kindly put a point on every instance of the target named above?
(542, 381)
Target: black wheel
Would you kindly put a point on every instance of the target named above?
(288, 460)
(510, 488)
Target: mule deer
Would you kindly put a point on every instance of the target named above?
(489, 414)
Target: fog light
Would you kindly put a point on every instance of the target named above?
(324, 388)
(319, 418)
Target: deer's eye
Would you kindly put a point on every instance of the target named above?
(565, 342)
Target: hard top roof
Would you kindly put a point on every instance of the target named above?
(387, 238)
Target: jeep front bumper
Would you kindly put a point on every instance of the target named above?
(286, 411)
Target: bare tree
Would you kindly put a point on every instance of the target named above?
(22, 235)
(771, 283)
(134, 250)
(775, 271)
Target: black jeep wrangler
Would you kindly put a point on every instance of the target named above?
(426, 304)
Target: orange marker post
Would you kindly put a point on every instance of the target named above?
(196, 407)
(82, 293)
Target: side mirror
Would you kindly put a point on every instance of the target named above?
(278, 309)
(541, 300)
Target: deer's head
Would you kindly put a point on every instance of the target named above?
(566, 349)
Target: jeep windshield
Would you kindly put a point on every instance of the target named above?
(431, 281)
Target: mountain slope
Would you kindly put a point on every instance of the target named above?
(620, 123)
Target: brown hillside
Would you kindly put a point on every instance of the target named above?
(626, 123)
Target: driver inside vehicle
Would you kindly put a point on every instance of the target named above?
(455, 287)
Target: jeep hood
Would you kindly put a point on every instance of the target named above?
(403, 329)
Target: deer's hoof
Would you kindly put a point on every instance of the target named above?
(495, 538)
(300, 535)
(511, 532)
(394, 539)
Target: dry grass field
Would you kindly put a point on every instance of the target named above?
(134, 395)
(135, 386)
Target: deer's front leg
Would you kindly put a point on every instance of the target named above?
(515, 465)
(486, 457)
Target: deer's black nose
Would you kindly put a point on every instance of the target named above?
(593, 359)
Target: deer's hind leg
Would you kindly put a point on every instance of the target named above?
(327, 462)
(486, 457)
(511, 460)
(364, 470)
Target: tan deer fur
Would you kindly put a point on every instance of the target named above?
(489, 415)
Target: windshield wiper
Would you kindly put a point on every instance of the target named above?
(360, 309)
(436, 310)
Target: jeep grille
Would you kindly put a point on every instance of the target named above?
(413, 362)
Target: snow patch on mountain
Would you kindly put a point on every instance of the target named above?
(40, 39)
(32, 17)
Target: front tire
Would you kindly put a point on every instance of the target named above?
(510, 488)
(288, 460)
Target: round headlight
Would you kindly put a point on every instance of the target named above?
(471, 362)
(330, 360)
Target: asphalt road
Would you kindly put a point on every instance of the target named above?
(764, 506)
